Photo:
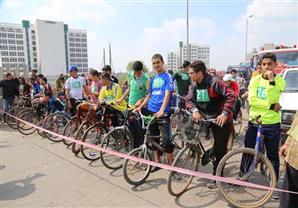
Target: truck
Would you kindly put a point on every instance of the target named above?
(286, 58)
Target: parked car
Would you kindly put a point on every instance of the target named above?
(289, 100)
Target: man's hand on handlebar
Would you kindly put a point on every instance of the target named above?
(196, 116)
(221, 119)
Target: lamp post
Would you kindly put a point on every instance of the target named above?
(245, 54)
(187, 32)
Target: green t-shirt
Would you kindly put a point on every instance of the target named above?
(138, 88)
(183, 81)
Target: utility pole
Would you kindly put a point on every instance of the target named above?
(187, 31)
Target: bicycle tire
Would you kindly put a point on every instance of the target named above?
(97, 141)
(194, 154)
(220, 172)
(70, 129)
(59, 119)
(24, 115)
(114, 141)
(12, 122)
(76, 148)
(140, 153)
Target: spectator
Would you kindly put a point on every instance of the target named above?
(24, 87)
(108, 69)
(9, 91)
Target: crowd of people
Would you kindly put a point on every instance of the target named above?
(193, 87)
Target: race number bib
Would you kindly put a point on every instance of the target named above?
(261, 93)
(76, 85)
(202, 95)
(184, 77)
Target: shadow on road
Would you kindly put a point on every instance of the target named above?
(150, 184)
(18, 189)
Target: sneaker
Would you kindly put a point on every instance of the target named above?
(276, 195)
(155, 169)
(212, 185)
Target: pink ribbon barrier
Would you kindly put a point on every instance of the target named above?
(152, 163)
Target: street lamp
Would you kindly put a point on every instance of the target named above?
(187, 32)
(246, 36)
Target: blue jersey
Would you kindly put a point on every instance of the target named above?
(159, 84)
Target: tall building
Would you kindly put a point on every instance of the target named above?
(48, 46)
(196, 52)
(173, 62)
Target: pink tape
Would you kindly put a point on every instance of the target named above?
(163, 166)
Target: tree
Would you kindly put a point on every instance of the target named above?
(130, 63)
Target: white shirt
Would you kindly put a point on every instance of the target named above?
(76, 86)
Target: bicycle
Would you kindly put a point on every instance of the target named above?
(130, 167)
(119, 139)
(22, 102)
(189, 157)
(254, 167)
(56, 122)
(94, 134)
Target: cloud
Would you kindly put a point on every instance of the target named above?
(272, 22)
(166, 38)
(71, 12)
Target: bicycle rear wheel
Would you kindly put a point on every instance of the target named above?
(136, 173)
(93, 135)
(118, 140)
(188, 158)
(244, 164)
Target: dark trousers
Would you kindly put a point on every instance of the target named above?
(237, 109)
(221, 136)
(271, 134)
(7, 103)
(135, 127)
(290, 183)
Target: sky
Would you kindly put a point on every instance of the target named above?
(137, 29)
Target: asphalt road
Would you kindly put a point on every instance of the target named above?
(36, 172)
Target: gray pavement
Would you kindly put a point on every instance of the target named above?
(36, 172)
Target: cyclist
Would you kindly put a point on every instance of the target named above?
(51, 103)
(263, 94)
(158, 99)
(95, 86)
(108, 69)
(74, 88)
(230, 83)
(110, 93)
(138, 85)
(209, 97)
(183, 81)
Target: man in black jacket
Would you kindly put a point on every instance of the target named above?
(9, 91)
(209, 97)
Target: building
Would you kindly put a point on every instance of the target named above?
(173, 62)
(48, 46)
(196, 52)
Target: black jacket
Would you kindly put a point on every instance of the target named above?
(9, 88)
(219, 98)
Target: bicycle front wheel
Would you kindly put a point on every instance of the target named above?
(188, 158)
(55, 122)
(70, 129)
(244, 164)
(30, 117)
(118, 140)
(136, 173)
(93, 135)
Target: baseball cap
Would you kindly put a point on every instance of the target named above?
(73, 68)
(227, 77)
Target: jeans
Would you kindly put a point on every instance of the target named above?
(7, 102)
(271, 134)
